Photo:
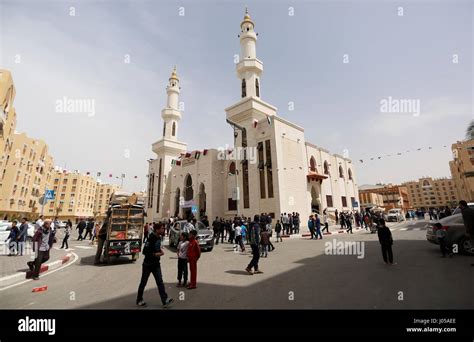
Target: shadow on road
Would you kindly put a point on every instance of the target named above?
(420, 280)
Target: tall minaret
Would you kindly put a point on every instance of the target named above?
(249, 68)
(171, 114)
(167, 149)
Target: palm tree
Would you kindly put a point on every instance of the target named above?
(470, 131)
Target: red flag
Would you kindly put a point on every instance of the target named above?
(110, 175)
(135, 177)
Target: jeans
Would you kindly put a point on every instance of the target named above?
(313, 234)
(80, 235)
(154, 269)
(66, 237)
(318, 233)
(349, 228)
(387, 253)
(88, 231)
(41, 257)
(183, 270)
(279, 237)
(255, 257)
(264, 250)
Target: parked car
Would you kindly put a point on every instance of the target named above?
(456, 233)
(458, 210)
(395, 215)
(5, 228)
(205, 235)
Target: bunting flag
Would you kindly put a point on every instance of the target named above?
(178, 162)
(98, 174)
(197, 154)
(135, 177)
(187, 155)
(123, 175)
(204, 152)
(173, 162)
(400, 153)
(88, 173)
(110, 175)
(269, 119)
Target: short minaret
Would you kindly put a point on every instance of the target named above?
(171, 114)
(249, 67)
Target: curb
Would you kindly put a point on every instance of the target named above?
(18, 276)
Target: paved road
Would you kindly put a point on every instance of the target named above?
(298, 274)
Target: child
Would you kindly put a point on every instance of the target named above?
(443, 243)
(244, 233)
(265, 240)
(183, 260)
(194, 253)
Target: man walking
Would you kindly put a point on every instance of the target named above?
(386, 241)
(89, 228)
(254, 239)
(22, 236)
(67, 233)
(81, 226)
(101, 237)
(468, 218)
(349, 224)
(324, 221)
(151, 265)
(311, 227)
(278, 231)
(317, 225)
(42, 241)
(216, 227)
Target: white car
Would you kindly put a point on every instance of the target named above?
(395, 215)
(5, 228)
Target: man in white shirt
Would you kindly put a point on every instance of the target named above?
(188, 227)
(39, 223)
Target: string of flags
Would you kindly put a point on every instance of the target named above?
(400, 153)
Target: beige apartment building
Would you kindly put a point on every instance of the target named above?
(462, 169)
(28, 171)
(432, 193)
(7, 117)
(370, 199)
(102, 197)
(75, 195)
(393, 196)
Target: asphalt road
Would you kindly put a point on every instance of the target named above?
(299, 274)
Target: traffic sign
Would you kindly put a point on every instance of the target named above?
(194, 209)
(49, 195)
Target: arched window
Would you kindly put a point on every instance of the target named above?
(232, 168)
(164, 128)
(312, 164)
(257, 87)
(188, 188)
(349, 172)
(244, 88)
(326, 168)
(341, 172)
(173, 131)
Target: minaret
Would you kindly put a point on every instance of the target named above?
(249, 67)
(171, 114)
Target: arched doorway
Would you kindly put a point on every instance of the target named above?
(202, 200)
(188, 196)
(315, 200)
(176, 202)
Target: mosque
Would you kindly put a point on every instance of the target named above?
(271, 168)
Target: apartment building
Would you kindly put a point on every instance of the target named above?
(462, 169)
(427, 192)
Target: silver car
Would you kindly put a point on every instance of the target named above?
(456, 233)
(205, 235)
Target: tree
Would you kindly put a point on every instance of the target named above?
(470, 131)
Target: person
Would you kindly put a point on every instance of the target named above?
(311, 227)
(336, 213)
(89, 228)
(205, 221)
(254, 240)
(286, 223)
(325, 222)
(151, 265)
(12, 244)
(447, 212)
(238, 237)
(67, 233)
(296, 221)
(317, 225)
(468, 219)
(188, 227)
(268, 227)
(81, 226)
(42, 241)
(348, 222)
(145, 232)
(264, 242)
(243, 232)
(216, 227)
(22, 235)
(39, 223)
(386, 241)
(342, 220)
(101, 237)
(183, 260)
(222, 230)
(444, 245)
(278, 231)
(194, 253)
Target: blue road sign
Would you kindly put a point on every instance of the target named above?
(49, 195)
(355, 204)
(194, 209)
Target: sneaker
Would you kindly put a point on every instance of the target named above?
(141, 303)
(249, 271)
(169, 302)
(258, 272)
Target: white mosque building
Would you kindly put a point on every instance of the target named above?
(272, 168)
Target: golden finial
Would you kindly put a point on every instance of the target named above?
(174, 75)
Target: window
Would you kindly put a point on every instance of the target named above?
(159, 188)
(232, 168)
(244, 88)
(349, 172)
(326, 168)
(173, 132)
(329, 200)
(344, 201)
(231, 204)
(257, 87)
(312, 164)
(164, 128)
(268, 154)
(261, 169)
(341, 172)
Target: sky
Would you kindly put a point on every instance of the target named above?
(328, 67)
